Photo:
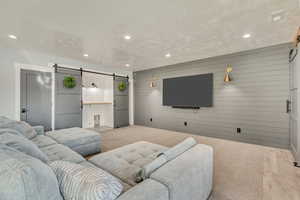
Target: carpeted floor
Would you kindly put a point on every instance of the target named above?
(241, 171)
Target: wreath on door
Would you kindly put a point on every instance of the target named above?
(122, 86)
(69, 82)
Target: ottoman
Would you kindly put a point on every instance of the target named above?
(126, 161)
(83, 141)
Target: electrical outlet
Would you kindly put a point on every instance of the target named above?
(239, 130)
(185, 123)
(151, 120)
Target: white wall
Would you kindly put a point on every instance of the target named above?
(103, 93)
(10, 56)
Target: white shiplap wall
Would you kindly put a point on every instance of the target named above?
(255, 101)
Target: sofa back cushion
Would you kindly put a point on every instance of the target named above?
(24, 145)
(24, 177)
(22, 127)
(79, 182)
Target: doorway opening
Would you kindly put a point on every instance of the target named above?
(34, 95)
(97, 100)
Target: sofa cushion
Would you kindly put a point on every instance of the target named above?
(43, 141)
(188, 176)
(24, 177)
(125, 162)
(73, 137)
(60, 152)
(23, 144)
(78, 182)
(166, 156)
(83, 141)
(20, 126)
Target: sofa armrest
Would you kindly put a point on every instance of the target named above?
(39, 130)
(188, 176)
(147, 190)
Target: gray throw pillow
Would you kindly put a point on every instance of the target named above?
(24, 145)
(22, 127)
(79, 182)
(24, 177)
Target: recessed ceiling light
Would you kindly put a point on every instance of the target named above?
(127, 65)
(168, 55)
(86, 55)
(247, 35)
(12, 37)
(127, 37)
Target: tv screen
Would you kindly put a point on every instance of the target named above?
(188, 91)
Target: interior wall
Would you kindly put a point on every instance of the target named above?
(100, 99)
(10, 56)
(254, 101)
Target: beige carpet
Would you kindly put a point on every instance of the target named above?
(241, 171)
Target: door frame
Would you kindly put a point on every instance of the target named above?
(18, 68)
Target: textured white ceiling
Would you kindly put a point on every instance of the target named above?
(187, 29)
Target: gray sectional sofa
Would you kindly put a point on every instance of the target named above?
(146, 171)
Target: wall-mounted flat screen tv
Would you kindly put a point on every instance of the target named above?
(188, 91)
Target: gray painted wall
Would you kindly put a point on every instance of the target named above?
(254, 101)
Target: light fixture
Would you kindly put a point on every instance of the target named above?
(127, 37)
(86, 55)
(153, 81)
(94, 85)
(12, 37)
(277, 18)
(228, 76)
(127, 65)
(278, 15)
(247, 35)
(152, 84)
(168, 55)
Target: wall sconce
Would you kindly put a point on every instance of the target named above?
(228, 77)
(153, 81)
(94, 85)
(152, 84)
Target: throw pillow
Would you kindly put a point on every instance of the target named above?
(79, 182)
(24, 145)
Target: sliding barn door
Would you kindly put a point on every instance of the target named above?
(121, 102)
(68, 105)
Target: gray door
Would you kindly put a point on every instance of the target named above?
(36, 98)
(294, 108)
(68, 105)
(121, 103)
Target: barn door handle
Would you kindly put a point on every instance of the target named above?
(288, 106)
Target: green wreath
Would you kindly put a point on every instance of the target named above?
(122, 86)
(69, 82)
